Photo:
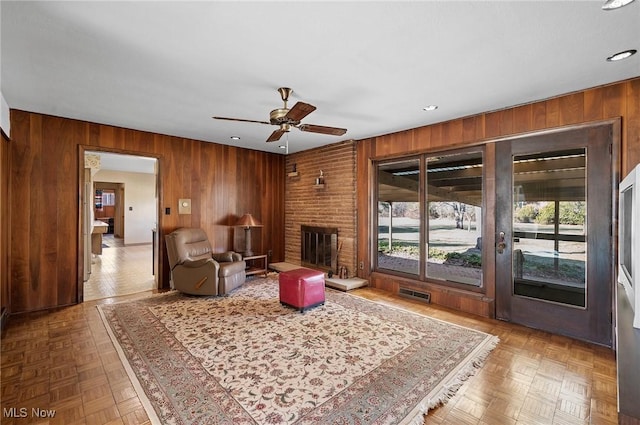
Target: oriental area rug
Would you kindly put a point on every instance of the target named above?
(245, 359)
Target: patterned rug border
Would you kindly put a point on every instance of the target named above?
(439, 395)
(142, 395)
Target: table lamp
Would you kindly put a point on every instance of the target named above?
(248, 221)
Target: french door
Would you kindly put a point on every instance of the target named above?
(554, 217)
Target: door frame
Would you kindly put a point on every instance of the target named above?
(599, 310)
(157, 266)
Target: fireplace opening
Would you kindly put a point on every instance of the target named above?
(319, 247)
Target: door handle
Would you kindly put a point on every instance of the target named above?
(501, 243)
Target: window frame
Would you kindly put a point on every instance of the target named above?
(421, 277)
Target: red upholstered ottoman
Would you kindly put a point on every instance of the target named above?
(301, 288)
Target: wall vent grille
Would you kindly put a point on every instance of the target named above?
(416, 295)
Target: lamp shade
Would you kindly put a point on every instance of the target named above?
(248, 220)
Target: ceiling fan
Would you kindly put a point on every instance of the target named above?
(286, 118)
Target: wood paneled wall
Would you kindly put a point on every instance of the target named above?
(616, 100)
(223, 182)
(5, 225)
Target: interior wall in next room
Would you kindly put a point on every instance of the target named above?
(331, 204)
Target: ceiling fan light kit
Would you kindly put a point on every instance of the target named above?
(287, 118)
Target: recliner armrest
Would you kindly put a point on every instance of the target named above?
(224, 257)
(231, 268)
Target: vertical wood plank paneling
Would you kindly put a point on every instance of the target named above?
(613, 101)
(143, 141)
(505, 121)
(21, 164)
(572, 109)
(93, 134)
(186, 173)
(5, 225)
(413, 144)
(383, 146)
(51, 211)
(437, 140)
(207, 176)
(67, 154)
(539, 112)
(452, 132)
(552, 113)
(272, 232)
(35, 293)
(522, 119)
(492, 124)
(45, 199)
(469, 129)
(422, 139)
(593, 105)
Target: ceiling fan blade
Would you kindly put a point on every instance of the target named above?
(299, 111)
(240, 119)
(312, 128)
(275, 136)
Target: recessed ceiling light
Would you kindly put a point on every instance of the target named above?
(615, 4)
(622, 55)
(430, 108)
(235, 137)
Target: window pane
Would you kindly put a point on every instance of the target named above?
(454, 205)
(399, 216)
(549, 234)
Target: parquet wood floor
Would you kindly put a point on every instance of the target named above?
(63, 361)
(531, 378)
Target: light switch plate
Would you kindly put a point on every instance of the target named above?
(184, 206)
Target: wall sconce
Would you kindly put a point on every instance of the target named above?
(247, 221)
(320, 179)
(294, 171)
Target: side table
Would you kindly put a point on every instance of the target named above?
(256, 264)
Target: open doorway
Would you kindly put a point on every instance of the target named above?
(121, 216)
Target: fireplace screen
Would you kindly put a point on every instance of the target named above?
(319, 247)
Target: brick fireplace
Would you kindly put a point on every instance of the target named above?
(332, 205)
(319, 247)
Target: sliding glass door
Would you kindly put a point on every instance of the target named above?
(454, 218)
(429, 217)
(398, 219)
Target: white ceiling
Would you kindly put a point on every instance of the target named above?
(370, 67)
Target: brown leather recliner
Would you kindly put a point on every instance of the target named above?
(196, 270)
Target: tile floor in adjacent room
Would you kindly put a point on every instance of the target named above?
(64, 360)
(119, 270)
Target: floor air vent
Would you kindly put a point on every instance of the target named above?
(416, 295)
